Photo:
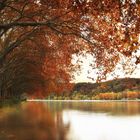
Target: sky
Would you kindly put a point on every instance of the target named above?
(86, 70)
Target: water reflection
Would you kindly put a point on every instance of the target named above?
(71, 121)
(117, 108)
(85, 126)
(31, 121)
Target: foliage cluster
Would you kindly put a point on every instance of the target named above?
(118, 96)
(39, 37)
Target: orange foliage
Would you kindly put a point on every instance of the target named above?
(107, 96)
(54, 30)
(132, 95)
(118, 96)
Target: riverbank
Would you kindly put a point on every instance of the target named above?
(44, 100)
(125, 95)
(10, 102)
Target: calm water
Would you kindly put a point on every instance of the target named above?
(71, 121)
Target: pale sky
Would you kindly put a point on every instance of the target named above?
(86, 71)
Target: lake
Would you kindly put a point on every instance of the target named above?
(73, 120)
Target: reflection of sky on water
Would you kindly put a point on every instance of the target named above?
(100, 126)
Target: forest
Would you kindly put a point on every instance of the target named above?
(117, 89)
(38, 39)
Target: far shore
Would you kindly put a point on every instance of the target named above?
(45, 100)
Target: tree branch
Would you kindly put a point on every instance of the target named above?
(14, 45)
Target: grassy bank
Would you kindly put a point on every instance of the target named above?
(10, 102)
(129, 95)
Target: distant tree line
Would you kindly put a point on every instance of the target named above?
(117, 85)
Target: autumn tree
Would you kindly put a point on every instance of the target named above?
(107, 29)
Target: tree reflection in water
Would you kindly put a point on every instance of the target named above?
(113, 108)
(31, 121)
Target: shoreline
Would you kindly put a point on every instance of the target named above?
(44, 100)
